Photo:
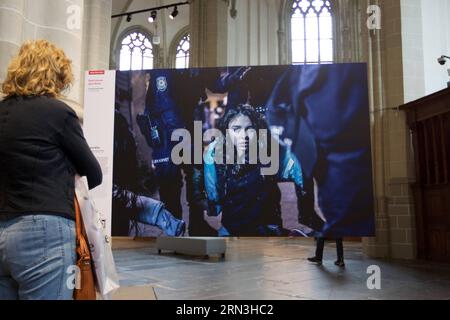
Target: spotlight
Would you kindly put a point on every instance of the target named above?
(153, 16)
(174, 13)
(129, 17)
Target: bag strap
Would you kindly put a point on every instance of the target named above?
(78, 222)
(82, 245)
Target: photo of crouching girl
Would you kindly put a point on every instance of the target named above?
(242, 201)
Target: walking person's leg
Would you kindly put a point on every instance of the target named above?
(319, 252)
(319, 248)
(340, 252)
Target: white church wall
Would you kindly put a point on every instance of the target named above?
(436, 42)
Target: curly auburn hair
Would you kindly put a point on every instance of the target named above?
(39, 69)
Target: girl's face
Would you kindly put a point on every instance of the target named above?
(242, 132)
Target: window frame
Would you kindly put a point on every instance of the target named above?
(147, 34)
(288, 27)
(185, 56)
(174, 46)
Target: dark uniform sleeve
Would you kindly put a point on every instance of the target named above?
(324, 111)
(78, 151)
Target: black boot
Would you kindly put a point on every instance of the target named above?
(315, 260)
(340, 263)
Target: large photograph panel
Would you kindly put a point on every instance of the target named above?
(243, 151)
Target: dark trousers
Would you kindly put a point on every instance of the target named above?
(339, 248)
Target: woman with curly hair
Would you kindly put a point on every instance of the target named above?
(42, 149)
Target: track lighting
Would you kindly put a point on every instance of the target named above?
(154, 11)
(153, 16)
(174, 13)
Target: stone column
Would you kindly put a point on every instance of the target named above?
(391, 54)
(80, 27)
(209, 33)
(96, 34)
(375, 56)
(348, 30)
(96, 37)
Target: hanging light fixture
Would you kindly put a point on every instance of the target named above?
(443, 59)
(154, 11)
(153, 16)
(174, 13)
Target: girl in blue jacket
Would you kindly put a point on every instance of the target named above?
(243, 201)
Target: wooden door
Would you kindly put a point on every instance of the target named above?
(432, 191)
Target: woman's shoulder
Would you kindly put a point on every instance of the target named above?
(57, 104)
(53, 107)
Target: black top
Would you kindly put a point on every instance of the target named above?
(42, 147)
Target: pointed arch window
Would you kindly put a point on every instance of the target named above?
(136, 52)
(311, 32)
(183, 52)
